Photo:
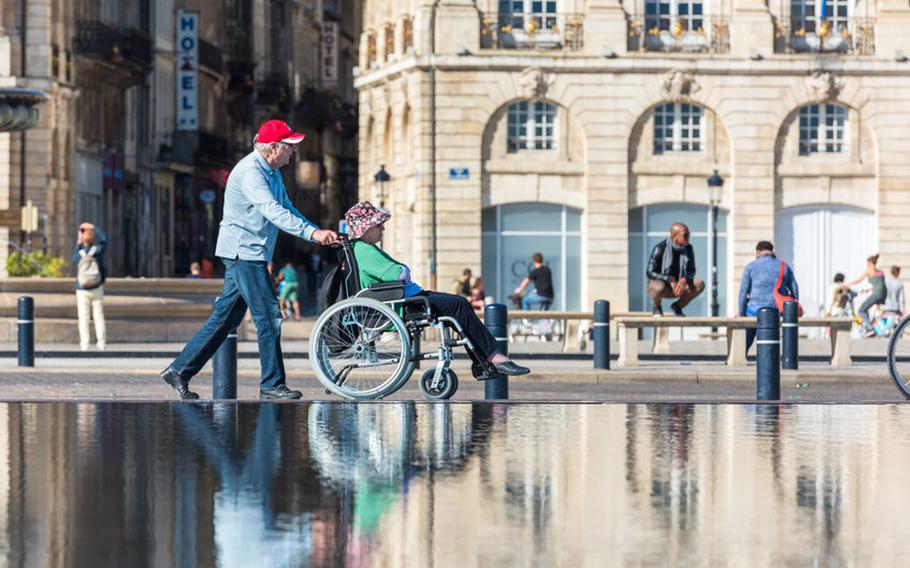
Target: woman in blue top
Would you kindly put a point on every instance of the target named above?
(756, 290)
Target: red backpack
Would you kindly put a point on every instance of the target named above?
(779, 298)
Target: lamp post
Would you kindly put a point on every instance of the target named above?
(382, 178)
(715, 189)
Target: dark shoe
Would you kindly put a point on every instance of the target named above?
(657, 311)
(677, 311)
(482, 373)
(510, 368)
(281, 392)
(179, 383)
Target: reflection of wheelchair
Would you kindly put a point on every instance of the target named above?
(366, 346)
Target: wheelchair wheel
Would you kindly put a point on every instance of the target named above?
(360, 350)
(445, 388)
(899, 356)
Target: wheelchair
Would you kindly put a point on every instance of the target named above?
(367, 345)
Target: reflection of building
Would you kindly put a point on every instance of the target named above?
(618, 112)
(452, 484)
(108, 148)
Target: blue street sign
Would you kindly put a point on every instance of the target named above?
(458, 173)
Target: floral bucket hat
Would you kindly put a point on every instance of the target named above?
(364, 216)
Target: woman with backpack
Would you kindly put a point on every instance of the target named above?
(89, 256)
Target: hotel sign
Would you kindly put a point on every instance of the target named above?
(187, 70)
(329, 54)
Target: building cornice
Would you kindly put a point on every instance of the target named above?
(783, 65)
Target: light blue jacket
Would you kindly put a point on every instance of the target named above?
(256, 205)
(757, 287)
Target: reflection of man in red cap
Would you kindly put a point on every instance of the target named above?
(256, 206)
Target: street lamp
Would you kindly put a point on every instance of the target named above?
(715, 189)
(382, 178)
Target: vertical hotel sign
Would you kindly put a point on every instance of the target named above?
(329, 54)
(187, 70)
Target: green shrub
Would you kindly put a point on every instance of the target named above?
(34, 264)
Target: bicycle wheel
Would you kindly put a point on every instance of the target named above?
(360, 350)
(899, 356)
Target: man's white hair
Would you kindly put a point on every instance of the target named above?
(264, 148)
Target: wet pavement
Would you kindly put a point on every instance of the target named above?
(405, 484)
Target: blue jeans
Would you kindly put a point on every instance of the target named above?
(750, 331)
(528, 301)
(247, 283)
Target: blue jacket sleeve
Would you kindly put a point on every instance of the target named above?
(791, 283)
(100, 242)
(745, 287)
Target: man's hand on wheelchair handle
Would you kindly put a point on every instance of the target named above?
(325, 237)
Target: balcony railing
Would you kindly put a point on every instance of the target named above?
(273, 90)
(532, 31)
(692, 35)
(840, 35)
(132, 47)
(210, 57)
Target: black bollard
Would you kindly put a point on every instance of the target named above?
(224, 368)
(601, 334)
(496, 318)
(790, 336)
(26, 321)
(767, 347)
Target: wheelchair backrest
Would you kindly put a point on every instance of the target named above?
(350, 273)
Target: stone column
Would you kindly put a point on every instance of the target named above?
(751, 28)
(605, 27)
(891, 28)
(457, 26)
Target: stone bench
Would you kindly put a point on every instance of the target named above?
(628, 327)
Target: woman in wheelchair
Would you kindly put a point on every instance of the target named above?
(366, 223)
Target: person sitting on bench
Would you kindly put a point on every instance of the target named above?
(366, 223)
(540, 275)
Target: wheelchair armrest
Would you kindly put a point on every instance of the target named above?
(384, 291)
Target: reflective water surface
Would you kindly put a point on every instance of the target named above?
(327, 484)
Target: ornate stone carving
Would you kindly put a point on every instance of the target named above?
(679, 85)
(824, 86)
(535, 82)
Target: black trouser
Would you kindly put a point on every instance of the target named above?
(457, 307)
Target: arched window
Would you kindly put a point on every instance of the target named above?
(677, 128)
(821, 129)
(531, 126)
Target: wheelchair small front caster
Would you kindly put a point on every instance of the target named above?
(445, 388)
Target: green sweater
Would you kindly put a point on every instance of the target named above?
(376, 266)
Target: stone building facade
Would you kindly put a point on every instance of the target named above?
(582, 129)
(107, 148)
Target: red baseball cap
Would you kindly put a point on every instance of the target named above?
(278, 131)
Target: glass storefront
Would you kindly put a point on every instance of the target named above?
(651, 224)
(512, 233)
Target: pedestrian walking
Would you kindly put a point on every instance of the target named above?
(256, 206)
(287, 295)
(671, 272)
(763, 280)
(91, 242)
(879, 294)
(542, 278)
(894, 300)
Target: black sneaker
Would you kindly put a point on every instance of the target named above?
(281, 392)
(657, 311)
(179, 383)
(677, 311)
